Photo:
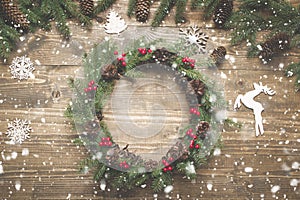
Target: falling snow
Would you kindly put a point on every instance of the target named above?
(18, 131)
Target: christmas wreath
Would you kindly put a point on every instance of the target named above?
(104, 69)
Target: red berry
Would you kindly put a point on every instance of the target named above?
(116, 52)
(191, 146)
(165, 169)
(192, 110)
(183, 60)
(171, 159)
(197, 146)
(198, 113)
(124, 64)
(126, 166)
(95, 88)
(89, 89)
(143, 51)
(194, 136)
(86, 89)
(92, 82)
(123, 54)
(170, 168)
(149, 51)
(101, 144)
(192, 65)
(192, 142)
(108, 138)
(109, 143)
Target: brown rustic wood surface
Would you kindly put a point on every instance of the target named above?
(50, 171)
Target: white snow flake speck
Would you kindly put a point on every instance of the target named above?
(21, 68)
(193, 36)
(18, 131)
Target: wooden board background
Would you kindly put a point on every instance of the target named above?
(50, 171)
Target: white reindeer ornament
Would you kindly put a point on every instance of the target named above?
(248, 100)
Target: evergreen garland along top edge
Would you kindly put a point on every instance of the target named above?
(122, 167)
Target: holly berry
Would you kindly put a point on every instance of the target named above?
(116, 53)
(197, 146)
(149, 51)
(170, 168)
(123, 54)
(171, 159)
(124, 64)
(86, 90)
(165, 169)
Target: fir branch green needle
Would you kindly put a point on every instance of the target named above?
(180, 9)
(103, 5)
(131, 7)
(162, 11)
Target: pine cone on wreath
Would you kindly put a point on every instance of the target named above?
(99, 115)
(199, 88)
(92, 127)
(218, 55)
(202, 128)
(277, 44)
(222, 12)
(109, 72)
(86, 7)
(163, 56)
(142, 10)
(13, 14)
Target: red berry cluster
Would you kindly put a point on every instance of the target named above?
(190, 133)
(189, 62)
(105, 142)
(121, 58)
(124, 165)
(195, 111)
(167, 165)
(91, 87)
(144, 51)
(193, 145)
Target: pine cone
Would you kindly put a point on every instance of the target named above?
(92, 127)
(99, 115)
(163, 56)
(13, 14)
(222, 12)
(277, 44)
(202, 128)
(199, 88)
(142, 10)
(109, 72)
(218, 55)
(86, 7)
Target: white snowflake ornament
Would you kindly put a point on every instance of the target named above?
(21, 68)
(18, 131)
(194, 36)
(115, 24)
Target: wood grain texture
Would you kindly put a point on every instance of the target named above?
(50, 171)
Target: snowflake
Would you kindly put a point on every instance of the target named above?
(18, 131)
(21, 68)
(193, 36)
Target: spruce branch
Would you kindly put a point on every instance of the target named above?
(195, 4)
(162, 11)
(131, 7)
(103, 5)
(180, 9)
(8, 39)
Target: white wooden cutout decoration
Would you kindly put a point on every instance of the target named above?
(115, 24)
(248, 100)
